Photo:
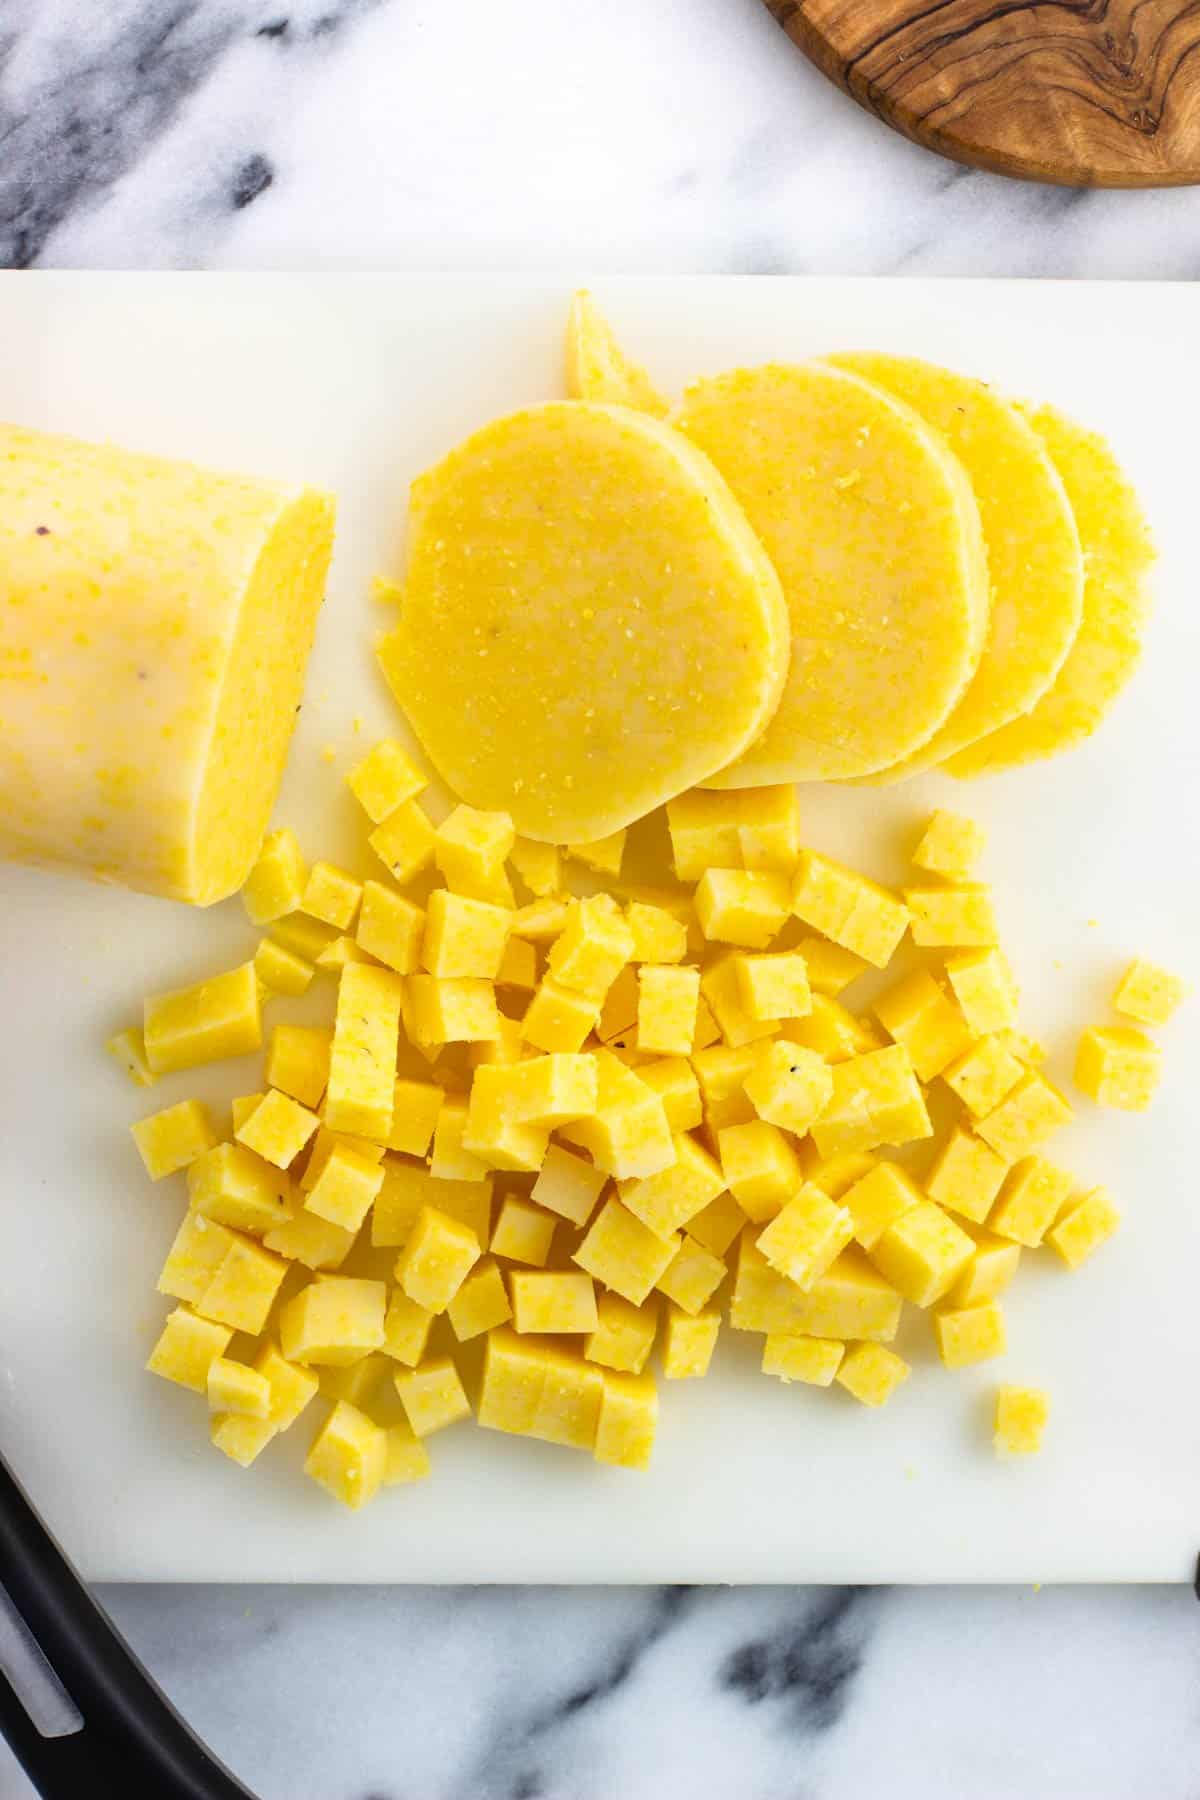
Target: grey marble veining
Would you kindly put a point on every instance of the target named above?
(687, 134)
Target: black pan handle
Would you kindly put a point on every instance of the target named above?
(128, 1739)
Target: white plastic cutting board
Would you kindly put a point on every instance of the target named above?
(357, 383)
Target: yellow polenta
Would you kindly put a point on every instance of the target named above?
(598, 368)
(1117, 554)
(589, 624)
(155, 623)
(873, 527)
(1035, 564)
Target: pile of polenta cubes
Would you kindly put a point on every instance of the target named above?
(573, 1124)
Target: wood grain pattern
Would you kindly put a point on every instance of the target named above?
(1085, 93)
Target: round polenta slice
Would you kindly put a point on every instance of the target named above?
(1035, 564)
(1117, 554)
(873, 527)
(589, 624)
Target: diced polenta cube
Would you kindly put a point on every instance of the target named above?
(291, 1387)
(432, 1396)
(985, 989)
(708, 1032)
(657, 936)
(241, 1106)
(1025, 1118)
(538, 865)
(435, 1261)
(969, 1334)
(311, 1241)
(340, 951)
(838, 1174)
(983, 1075)
(875, 1099)
(674, 1081)
(830, 968)
(1148, 993)
(203, 1023)
(872, 1373)
(966, 1176)
(168, 1141)
(463, 936)
(851, 1300)
(604, 855)
(187, 1349)
(325, 1143)
(514, 1378)
(450, 1159)
(243, 1287)
(332, 895)
(345, 1190)
(666, 1017)
(278, 1129)
(1118, 1066)
(720, 987)
(358, 1382)
(761, 1169)
(628, 1421)
(407, 1457)
(774, 985)
(385, 778)
(541, 921)
(128, 1051)
(415, 1109)
(592, 948)
(298, 1061)
(407, 1187)
(954, 917)
(568, 1185)
(846, 907)
(404, 842)
(480, 1303)
(1021, 1418)
(624, 1254)
(301, 935)
(406, 1327)
(789, 1086)
(768, 826)
(281, 971)
(557, 1018)
(348, 1456)
(362, 1064)
(882, 1195)
(617, 1024)
(923, 1254)
(231, 1186)
(234, 1387)
(241, 1439)
(459, 1010)
(805, 1236)
(334, 1321)
(628, 1134)
(552, 1300)
(950, 846)
(668, 1199)
(518, 966)
(809, 1359)
(717, 1224)
(693, 1277)
(523, 1233)
(831, 1032)
(1034, 1195)
(624, 1334)
(391, 928)
(747, 907)
(704, 833)
(471, 849)
(554, 1089)
(494, 1134)
(1084, 1226)
(194, 1258)
(689, 1340)
(989, 1271)
(917, 1013)
(722, 1072)
(275, 884)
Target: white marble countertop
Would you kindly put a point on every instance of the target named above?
(681, 135)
